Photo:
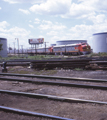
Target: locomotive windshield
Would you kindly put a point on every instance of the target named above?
(85, 44)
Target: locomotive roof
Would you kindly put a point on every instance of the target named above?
(76, 44)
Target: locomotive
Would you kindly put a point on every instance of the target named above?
(69, 49)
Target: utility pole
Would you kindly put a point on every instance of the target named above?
(14, 47)
(35, 50)
(22, 48)
(45, 48)
(17, 44)
(65, 49)
(9, 48)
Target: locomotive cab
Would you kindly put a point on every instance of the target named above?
(85, 48)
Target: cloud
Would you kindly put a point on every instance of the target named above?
(4, 24)
(98, 19)
(80, 32)
(31, 26)
(48, 25)
(79, 10)
(24, 1)
(24, 11)
(20, 33)
(63, 8)
(52, 7)
(14, 32)
(85, 32)
(0, 8)
(52, 33)
(96, 4)
(11, 1)
(37, 21)
(87, 8)
(69, 9)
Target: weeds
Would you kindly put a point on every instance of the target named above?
(78, 69)
(97, 54)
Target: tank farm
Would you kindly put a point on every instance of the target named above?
(68, 83)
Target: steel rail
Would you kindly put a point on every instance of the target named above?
(19, 111)
(54, 77)
(57, 98)
(56, 83)
(49, 60)
(16, 64)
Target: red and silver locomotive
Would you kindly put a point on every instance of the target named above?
(69, 49)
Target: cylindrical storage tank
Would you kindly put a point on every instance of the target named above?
(53, 44)
(3, 47)
(99, 42)
(65, 42)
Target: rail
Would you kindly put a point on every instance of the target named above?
(19, 111)
(54, 77)
(53, 64)
(56, 83)
(58, 98)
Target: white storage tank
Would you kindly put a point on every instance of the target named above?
(3, 47)
(99, 42)
(53, 44)
(65, 42)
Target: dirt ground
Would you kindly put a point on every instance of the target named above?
(95, 74)
(76, 111)
(79, 73)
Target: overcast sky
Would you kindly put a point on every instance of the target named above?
(52, 20)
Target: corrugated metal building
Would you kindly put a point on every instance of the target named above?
(65, 42)
(99, 42)
(3, 47)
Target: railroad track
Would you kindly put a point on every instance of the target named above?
(92, 64)
(49, 64)
(38, 97)
(56, 83)
(61, 83)
(44, 97)
(53, 77)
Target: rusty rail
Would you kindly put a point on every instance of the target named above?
(53, 64)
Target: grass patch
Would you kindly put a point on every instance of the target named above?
(21, 72)
(47, 57)
(45, 72)
(78, 69)
(24, 70)
(97, 54)
(35, 57)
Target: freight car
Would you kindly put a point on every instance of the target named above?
(69, 49)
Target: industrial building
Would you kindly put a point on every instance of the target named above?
(3, 47)
(99, 42)
(65, 42)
